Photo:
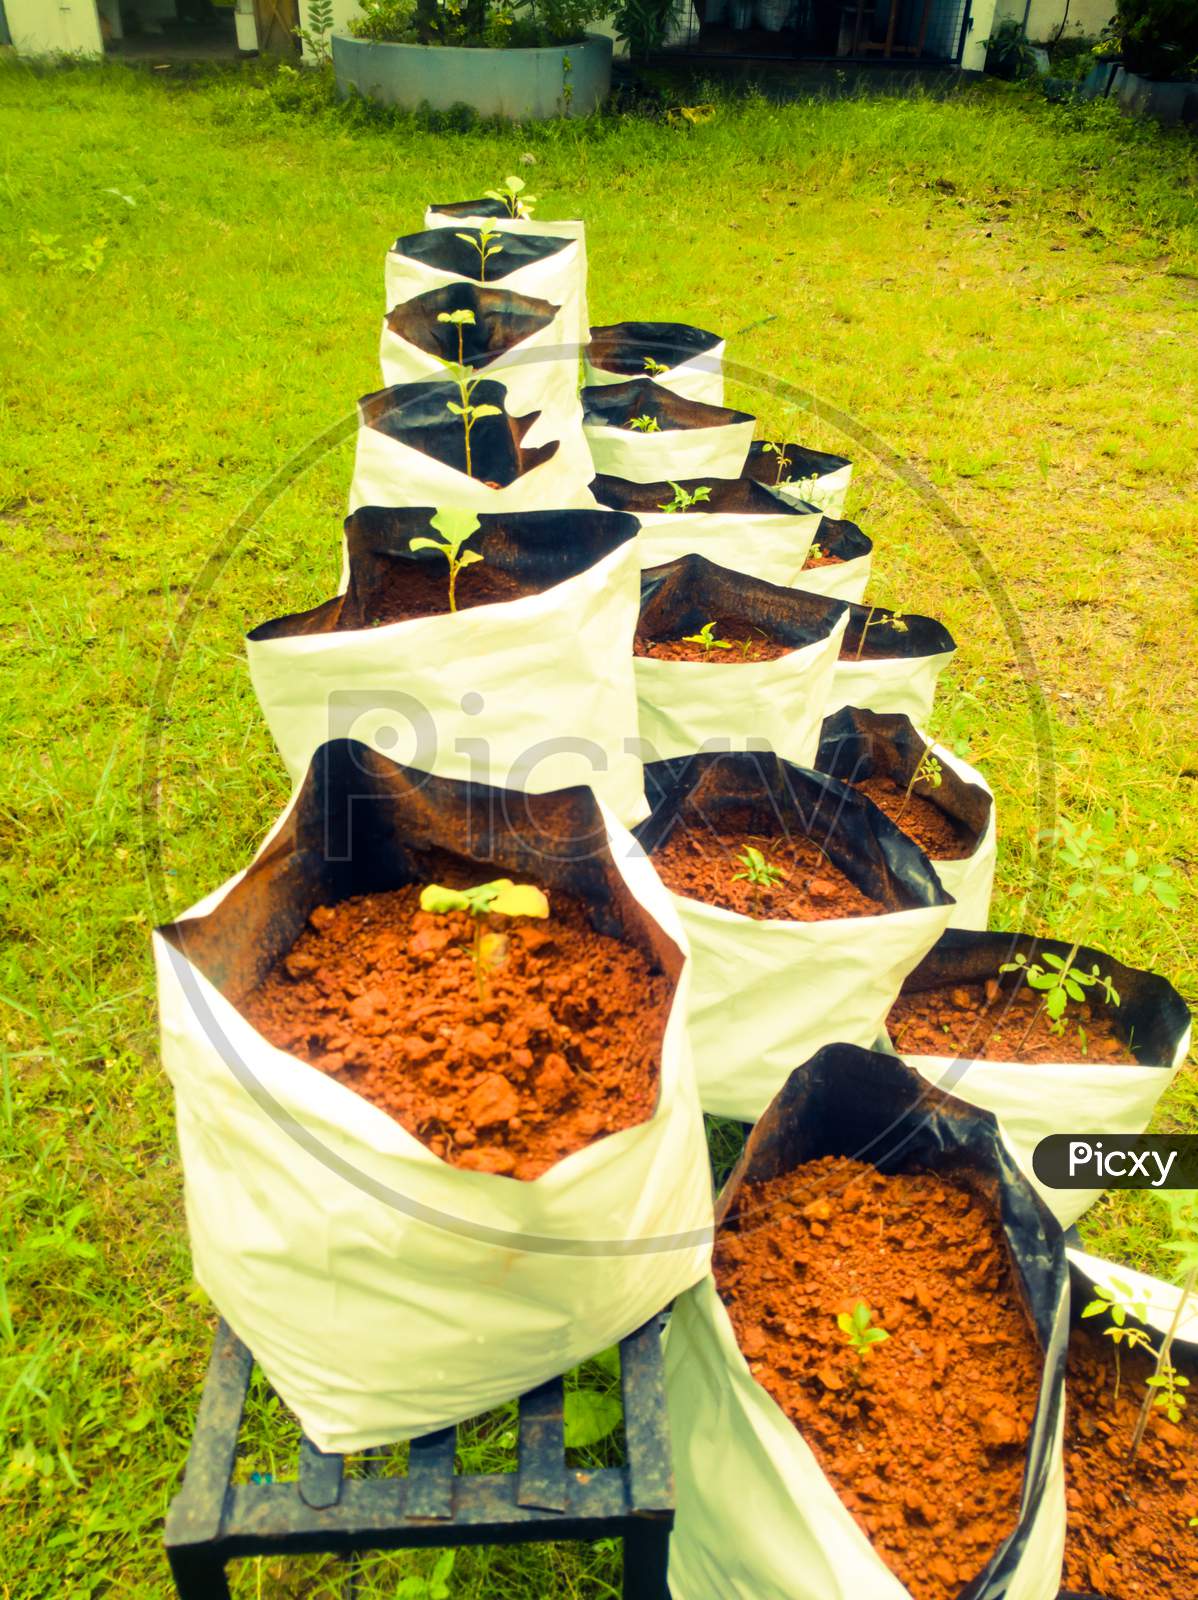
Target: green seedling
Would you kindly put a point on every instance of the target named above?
(859, 1333)
(1059, 981)
(512, 196)
(655, 369)
(757, 871)
(888, 619)
(1116, 1300)
(467, 381)
(455, 527)
(706, 637)
(1165, 1386)
(816, 553)
(499, 898)
(485, 241)
(927, 770)
(778, 451)
(683, 501)
(645, 424)
(745, 646)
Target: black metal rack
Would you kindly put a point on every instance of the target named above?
(213, 1520)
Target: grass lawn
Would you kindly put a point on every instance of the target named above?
(991, 304)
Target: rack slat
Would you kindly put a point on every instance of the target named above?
(646, 1423)
(430, 1474)
(319, 1476)
(542, 1472)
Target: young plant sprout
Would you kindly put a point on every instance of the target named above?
(816, 553)
(655, 369)
(683, 501)
(486, 243)
(467, 381)
(513, 197)
(645, 424)
(860, 1336)
(778, 451)
(1116, 1300)
(1165, 1386)
(892, 619)
(1064, 982)
(758, 872)
(455, 527)
(927, 770)
(500, 898)
(706, 637)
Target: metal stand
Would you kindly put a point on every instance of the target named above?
(213, 1521)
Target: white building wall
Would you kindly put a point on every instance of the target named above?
(47, 27)
(1087, 17)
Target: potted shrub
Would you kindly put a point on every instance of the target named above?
(440, 1140)
(875, 1366)
(689, 361)
(454, 444)
(975, 1018)
(491, 648)
(727, 662)
(517, 62)
(813, 476)
(640, 431)
(804, 908)
(514, 338)
(510, 209)
(1133, 1369)
(736, 524)
(543, 266)
(937, 799)
(890, 660)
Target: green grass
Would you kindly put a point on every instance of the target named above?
(990, 303)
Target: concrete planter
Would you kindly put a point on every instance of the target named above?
(1165, 99)
(522, 85)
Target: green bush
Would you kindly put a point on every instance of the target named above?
(1159, 38)
(499, 24)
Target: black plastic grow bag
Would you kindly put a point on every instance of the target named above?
(920, 636)
(613, 405)
(502, 319)
(417, 415)
(536, 548)
(678, 597)
(856, 744)
(1151, 1012)
(362, 824)
(729, 497)
(623, 346)
(441, 248)
(846, 1101)
(758, 792)
(762, 465)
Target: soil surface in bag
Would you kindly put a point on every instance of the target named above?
(614, 405)
(937, 834)
(742, 640)
(702, 866)
(877, 633)
(502, 319)
(623, 346)
(442, 249)
(418, 415)
(728, 496)
(1003, 1020)
(923, 1437)
(800, 464)
(836, 542)
(564, 1048)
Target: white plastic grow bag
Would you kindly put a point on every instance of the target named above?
(970, 879)
(531, 694)
(391, 472)
(767, 993)
(384, 1292)
(814, 477)
(695, 440)
(905, 681)
(694, 359)
(572, 268)
(847, 577)
(1031, 1100)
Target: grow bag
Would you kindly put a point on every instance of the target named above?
(743, 526)
(811, 476)
(855, 745)
(767, 993)
(514, 338)
(1088, 1543)
(693, 440)
(735, 1449)
(383, 1291)
(411, 453)
(726, 703)
(531, 263)
(898, 670)
(1033, 1099)
(469, 213)
(693, 358)
(532, 691)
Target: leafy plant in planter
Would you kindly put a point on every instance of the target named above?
(513, 197)
(860, 1335)
(644, 25)
(929, 771)
(757, 871)
(892, 619)
(483, 240)
(1158, 38)
(455, 527)
(1008, 54)
(682, 500)
(781, 459)
(466, 379)
(656, 369)
(1116, 1300)
(645, 424)
(706, 638)
(500, 898)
